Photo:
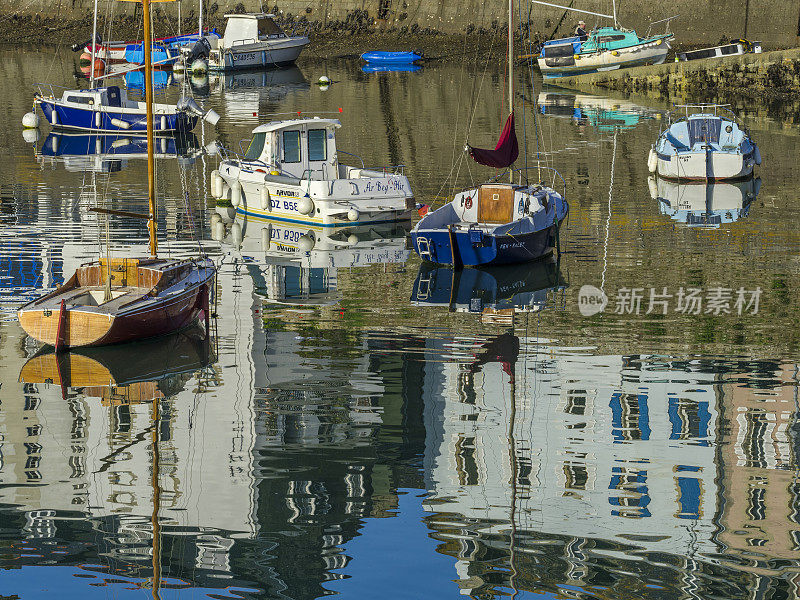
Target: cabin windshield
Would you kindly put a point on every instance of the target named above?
(317, 145)
(256, 146)
(269, 28)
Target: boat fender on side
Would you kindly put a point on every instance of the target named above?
(653, 187)
(236, 235)
(305, 206)
(266, 237)
(217, 184)
(54, 117)
(265, 199)
(353, 214)
(652, 161)
(120, 123)
(306, 242)
(236, 193)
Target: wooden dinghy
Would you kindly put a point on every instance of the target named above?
(120, 299)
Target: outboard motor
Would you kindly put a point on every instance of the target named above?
(189, 105)
(201, 49)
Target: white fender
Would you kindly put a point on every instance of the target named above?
(353, 214)
(215, 218)
(216, 184)
(236, 193)
(163, 122)
(120, 123)
(653, 185)
(305, 206)
(54, 117)
(236, 235)
(306, 242)
(652, 161)
(264, 193)
(266, 236)
(218, 231)
(30, 120)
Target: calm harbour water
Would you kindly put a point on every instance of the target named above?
(360, 424)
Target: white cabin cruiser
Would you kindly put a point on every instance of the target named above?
(291, 173)
(707, 145)
(253, 41)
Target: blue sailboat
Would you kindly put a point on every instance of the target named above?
(494, 223)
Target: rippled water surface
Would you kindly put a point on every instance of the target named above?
(364, 425)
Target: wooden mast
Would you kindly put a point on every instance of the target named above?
(148, 87)
(156, 559)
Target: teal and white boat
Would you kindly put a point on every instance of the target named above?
(602, 49)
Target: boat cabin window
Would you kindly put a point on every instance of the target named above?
(601, 39)
(81, 99)
(291, 146)
(256, 146)
(268, 28)
(317, 144)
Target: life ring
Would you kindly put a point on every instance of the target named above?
(468, 202)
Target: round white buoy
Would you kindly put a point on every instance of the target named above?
(218, 232)
(323, 88)
(236, 234)
(30, 135)
(264, 194)
(199, 66)
(324, 80)
(353, 214)
(236, 193)
(652, 161)
(352, 239)
(306, 242)
(30, 120)
(216, 184)
(199, 81)
(653, 186)
(305, 206)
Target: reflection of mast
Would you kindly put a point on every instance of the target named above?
(156, 504)
(512, 455)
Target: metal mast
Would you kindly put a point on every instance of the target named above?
(148, 87)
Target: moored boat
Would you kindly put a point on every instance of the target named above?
(115, 300)
(291, 172)
(251, 40)
(709, 144)
(379, 57)
(606, 49)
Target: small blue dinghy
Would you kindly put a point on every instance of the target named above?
(378, 57)
(398, 68)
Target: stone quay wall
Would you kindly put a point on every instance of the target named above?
(776, 23)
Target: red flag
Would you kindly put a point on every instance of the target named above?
(506, 151)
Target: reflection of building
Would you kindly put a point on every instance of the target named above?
(595, 448)
(761, 515)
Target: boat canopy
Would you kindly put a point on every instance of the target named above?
(302, 148)
(249, 28)
(610, 38)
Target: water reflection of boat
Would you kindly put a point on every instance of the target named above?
(606, 114)
(134, 80)
(704, 204)
(109, 153)
(123, 374)
(399, 68)
(293, 264)
(476, 290)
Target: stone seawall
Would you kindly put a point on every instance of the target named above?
(774, 73)
(776, 23)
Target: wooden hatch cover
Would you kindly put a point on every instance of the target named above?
(495, 203)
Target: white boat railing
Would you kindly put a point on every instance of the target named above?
(666, 29)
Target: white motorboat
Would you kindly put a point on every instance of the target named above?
(252, 41)
(291, 172)
(709, 145)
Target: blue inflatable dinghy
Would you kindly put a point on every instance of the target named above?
(377, 57)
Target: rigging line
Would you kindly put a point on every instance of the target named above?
(458, 111)
(608, 217)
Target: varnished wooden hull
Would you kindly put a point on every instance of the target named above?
(80, 326)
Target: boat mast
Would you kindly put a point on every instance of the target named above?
(154, 522)
(510, 72)
(200, 20)
(148, 87)
(94, 45)
(614, 11)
